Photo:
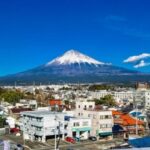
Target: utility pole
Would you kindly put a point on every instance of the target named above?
(136, 120)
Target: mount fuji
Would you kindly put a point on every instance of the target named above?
(74, 67)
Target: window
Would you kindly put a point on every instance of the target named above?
(78, 106)
(106, 117)
(90, 106)
(78, 114)
(101, 117)
(102, 126)
(85, 107)
(76, 124)
(109, 126)
(85, 123)
(105, 126)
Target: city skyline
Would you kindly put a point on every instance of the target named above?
(35, 32)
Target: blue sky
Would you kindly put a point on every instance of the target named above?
(32, 32)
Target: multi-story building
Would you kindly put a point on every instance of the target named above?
(102, 120)
(81, 106)
(117, 95)
(142, 98)
(123, 95)
(37, 125)
(147, 99)
(99, 94)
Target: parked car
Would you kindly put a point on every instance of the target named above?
(70, 139)
(92, 138)
(14, 130)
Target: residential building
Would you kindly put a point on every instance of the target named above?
(54, 102)
(15, 112)
(31, 103)
(38, 125)
(99, 94)
(142, 98)
(101, 120)
(119, 96)
(79, 127)
(147, 99)
(129, 123)
(81, 106)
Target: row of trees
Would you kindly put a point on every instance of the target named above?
(100, 87)
(107, 100)
(10, 96)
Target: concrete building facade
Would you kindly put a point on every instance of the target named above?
(37, 125)
(79, 127)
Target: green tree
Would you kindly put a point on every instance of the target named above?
(100, 87)
(11, 96)
(107, 100)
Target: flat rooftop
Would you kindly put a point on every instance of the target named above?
(42, 113)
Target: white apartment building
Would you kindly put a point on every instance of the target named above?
(27, 103)
(99, 94)
(79, 127)
(123, 95)
(147, 99)
(118, 95)
(142, 98)
(37, 125)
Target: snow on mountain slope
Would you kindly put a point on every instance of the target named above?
(73, 56)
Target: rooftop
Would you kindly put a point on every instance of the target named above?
(41, 113)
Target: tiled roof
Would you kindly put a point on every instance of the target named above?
(126, 119)
(20, 109)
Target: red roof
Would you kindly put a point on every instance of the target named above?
(126, 119)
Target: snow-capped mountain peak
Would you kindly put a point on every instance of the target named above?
(73, 56)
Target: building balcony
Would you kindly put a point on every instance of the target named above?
(48, 132)
(37, 123)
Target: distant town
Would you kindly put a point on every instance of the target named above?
(73, 116)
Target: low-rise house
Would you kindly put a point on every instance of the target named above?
(28, 103)
(129, 123)
(15, 112)
(53, 102)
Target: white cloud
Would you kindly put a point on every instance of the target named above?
(136, 58)
(142, 63)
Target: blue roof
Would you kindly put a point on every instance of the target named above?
(134, 114)
(140, 142)
(117, 128)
